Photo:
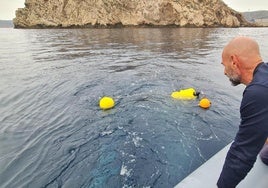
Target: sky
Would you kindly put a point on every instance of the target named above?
(8, 7)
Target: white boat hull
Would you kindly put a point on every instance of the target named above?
(206, 175)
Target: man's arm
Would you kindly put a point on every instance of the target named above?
(250, 138)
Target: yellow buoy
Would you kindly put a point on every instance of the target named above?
(184, 94)
(106, 103)
(204, 103)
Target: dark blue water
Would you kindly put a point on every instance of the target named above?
(53, 134)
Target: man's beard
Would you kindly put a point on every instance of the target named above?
(235, 80)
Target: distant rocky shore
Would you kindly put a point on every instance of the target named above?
(121, 13)
(6, 24)
(258, 17)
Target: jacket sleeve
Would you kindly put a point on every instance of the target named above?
(249, 139)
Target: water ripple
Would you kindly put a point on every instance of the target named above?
(53, 133)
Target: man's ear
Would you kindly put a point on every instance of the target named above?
(235, 60)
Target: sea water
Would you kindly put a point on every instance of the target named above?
(53, 133)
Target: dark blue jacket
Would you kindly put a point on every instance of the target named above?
(252, 133)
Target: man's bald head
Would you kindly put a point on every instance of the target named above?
(240, 57)
(246, 49)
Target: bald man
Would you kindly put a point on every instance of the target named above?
(243, 65)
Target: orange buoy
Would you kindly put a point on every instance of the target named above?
(204, 103)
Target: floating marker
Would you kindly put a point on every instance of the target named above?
(204, 103)
(106, 103)
(185, 94)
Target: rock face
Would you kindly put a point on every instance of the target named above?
(112, 13)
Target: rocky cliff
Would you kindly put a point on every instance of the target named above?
(112, 13)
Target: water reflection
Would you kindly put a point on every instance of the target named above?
(71, 44)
